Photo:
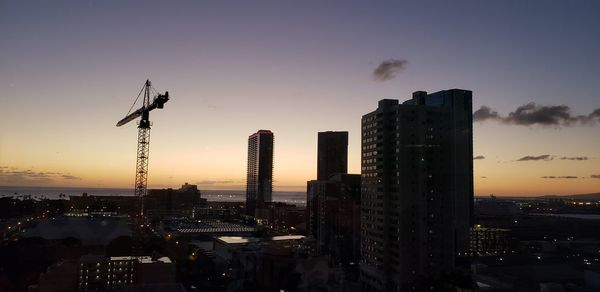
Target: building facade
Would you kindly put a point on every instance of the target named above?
(417, 188)
(334, 217)
(259, 176)
(97, 272)
(489, 241)
(173, 202)
(333, 202)
(332, 154)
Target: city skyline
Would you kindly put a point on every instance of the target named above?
(65, 80)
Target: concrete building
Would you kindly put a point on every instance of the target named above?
(259, 179)
(332, 154)
(170, 202)
(224, 246)
(280, 263)
(61, 276)
(333, 208)
(97, 272)
(417, 188)
(333, 201)
(489, 241)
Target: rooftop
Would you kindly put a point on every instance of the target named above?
(210, 227)
(244, 240)
(89, 230)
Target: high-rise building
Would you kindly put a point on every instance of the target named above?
(333, 201)
(417, 188)
(332, 154)
(259, 178)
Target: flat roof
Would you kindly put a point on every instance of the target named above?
(148, 260)
(243, 240)
(122, 258)
(237, 239)
(287, 237)
(209, 227)
(94, 231)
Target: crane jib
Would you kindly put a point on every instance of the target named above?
(158, 102)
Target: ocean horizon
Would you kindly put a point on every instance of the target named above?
(298, 198)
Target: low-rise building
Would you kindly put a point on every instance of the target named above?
(97, 272)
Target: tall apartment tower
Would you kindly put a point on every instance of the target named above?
(417, 188)
(259, 177)
(332, 154)
(333, 202)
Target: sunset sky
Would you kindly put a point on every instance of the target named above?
(69, 70)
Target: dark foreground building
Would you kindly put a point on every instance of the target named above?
(417, 188)
(333, 208)
(259, 178)
(333, 202)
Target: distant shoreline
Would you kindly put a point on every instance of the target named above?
(275, 188)
(39, 193)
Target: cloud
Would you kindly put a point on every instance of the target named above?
(545, 157)
(388, 69)
(575, 158)
(478, 157)
(595, 176)
(533, 114)
(485, 113)
(12, 176)
(565, 176)
(484, 177)
(217, 182)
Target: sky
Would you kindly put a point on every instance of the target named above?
(69, 70)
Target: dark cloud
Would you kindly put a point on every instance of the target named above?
(67, 176)
(478, 157)
(575, 158)
(545, 157)
(533, 114)
(388, 69)
(595, 176)
(485, 113)
(484, 177)
(564, 176)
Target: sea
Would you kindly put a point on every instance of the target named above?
(38, 193)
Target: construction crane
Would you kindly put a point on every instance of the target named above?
(143, 146)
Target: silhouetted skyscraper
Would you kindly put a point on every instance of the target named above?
(259, 178)
(417, 188)
(333, 201)
(332, 154)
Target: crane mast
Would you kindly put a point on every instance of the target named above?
(143, 150)
(143, 146)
